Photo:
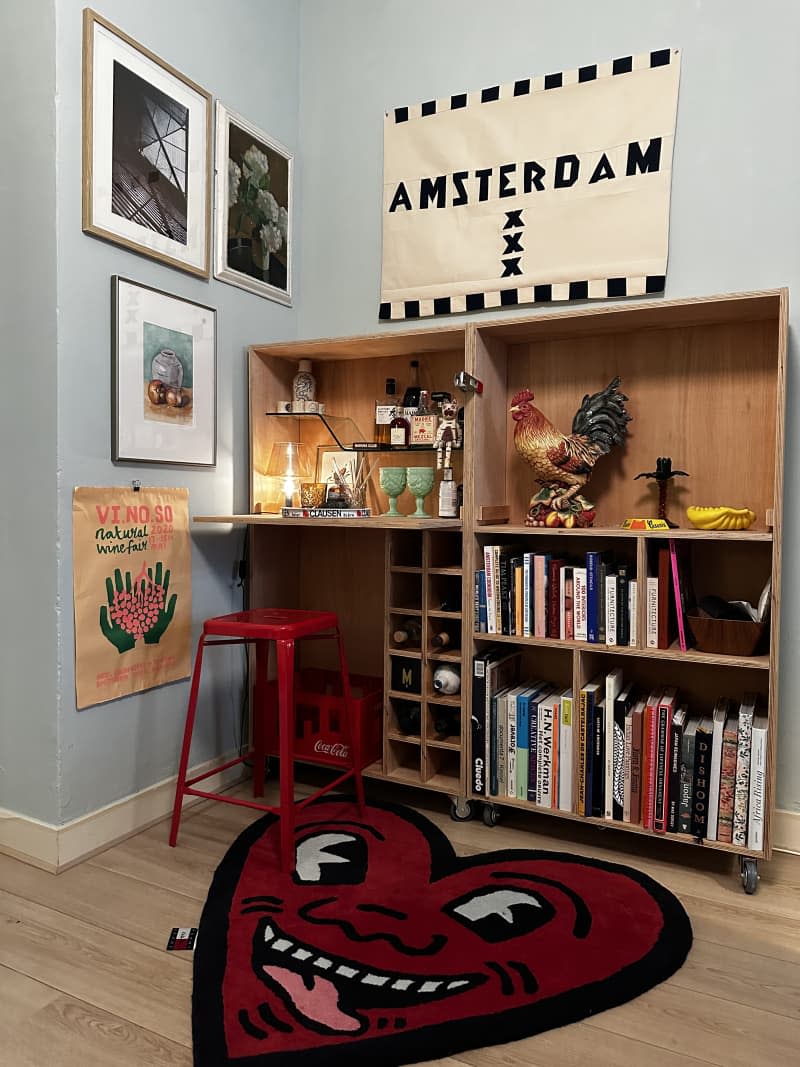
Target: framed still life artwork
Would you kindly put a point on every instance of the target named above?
(163, 377)
(253, 219)
(146, 151)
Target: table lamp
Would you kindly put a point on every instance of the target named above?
(292, 462)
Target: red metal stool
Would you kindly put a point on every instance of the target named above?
(284, 626)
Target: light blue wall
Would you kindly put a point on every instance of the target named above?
(58, 763)
(28, 469)
(735, 221)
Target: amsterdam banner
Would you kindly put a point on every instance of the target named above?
(132, 587)
(549, 188)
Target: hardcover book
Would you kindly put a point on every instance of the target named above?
(326, 513)
(637, 725)
(612, 690)
(649, 758)
(674, 789)
(719, 717)
(566, 752)
(741, 796)
(622, 705)
(587, 696)
(727, 778)
(758, 780)
(666, 709)
(687, 777)
(701, 776)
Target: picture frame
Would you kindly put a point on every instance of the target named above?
(253, 208)
(161, 338)
(146, 151)
(330, 458)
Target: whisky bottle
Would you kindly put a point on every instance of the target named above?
(410, 633)
(399, 430)
(385, 412)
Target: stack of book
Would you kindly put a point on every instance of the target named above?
(538, 594)
(619, 754)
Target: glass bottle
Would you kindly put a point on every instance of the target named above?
(441, 640)
(399, 430)
(448, 495)
(411, 395)
(384, 413)
(410, 633)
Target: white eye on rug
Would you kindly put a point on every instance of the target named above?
(503, 913)
(331, 859)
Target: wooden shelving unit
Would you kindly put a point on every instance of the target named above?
(706, 385)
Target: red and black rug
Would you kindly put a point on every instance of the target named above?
(385, 947)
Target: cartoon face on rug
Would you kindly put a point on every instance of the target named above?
(382, 931)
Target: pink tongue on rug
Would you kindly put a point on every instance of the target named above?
(320, 1003)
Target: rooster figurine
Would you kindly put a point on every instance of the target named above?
(562, 464)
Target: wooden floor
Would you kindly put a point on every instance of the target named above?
(85, 979)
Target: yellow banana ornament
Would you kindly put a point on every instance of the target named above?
(720, 518)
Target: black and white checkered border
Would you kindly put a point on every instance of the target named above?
(559, 292)
(662, 57)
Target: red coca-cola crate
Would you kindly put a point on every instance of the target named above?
(319, 717)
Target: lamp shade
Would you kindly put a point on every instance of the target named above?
(290, 459)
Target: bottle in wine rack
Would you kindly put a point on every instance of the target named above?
(442, 640)
(409, 634)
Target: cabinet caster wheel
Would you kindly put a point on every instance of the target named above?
(491, 815)
(749, 875)
(461, 810)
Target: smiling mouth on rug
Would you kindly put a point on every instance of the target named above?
(325, 990)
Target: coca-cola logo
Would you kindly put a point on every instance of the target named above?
(336, 749)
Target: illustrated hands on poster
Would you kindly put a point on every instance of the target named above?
(153, 635)
(136, 608)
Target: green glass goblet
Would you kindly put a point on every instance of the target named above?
(420, 483)
(393, 482)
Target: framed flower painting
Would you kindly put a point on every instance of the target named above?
(146, 151)
(253, 238)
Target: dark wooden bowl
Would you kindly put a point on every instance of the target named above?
(728, 637)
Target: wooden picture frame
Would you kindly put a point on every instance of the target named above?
(253, 209)
(163, 381)
(146, 151)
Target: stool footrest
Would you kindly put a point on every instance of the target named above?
(231, 800)
(216, 770)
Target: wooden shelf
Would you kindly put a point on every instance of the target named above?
(603, 532)
(374, 522)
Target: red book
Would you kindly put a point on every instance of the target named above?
(666, 709)
(666, 608)
(637, 718)
(649, 740)
(553, 624)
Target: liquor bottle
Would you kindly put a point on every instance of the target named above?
(441, 640)
(399, 430)
(423, 421)
(412, 394)
(384, 413)
(448, 495)
(410, 633)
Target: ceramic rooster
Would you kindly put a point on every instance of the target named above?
(563, 464)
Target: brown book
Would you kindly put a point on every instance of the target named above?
(727, 778)
(637, 718)
(667, 623)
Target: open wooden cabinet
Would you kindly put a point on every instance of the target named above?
(705, 380)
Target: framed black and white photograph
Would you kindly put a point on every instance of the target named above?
(163, 377)
(146, 151)
(253, 211)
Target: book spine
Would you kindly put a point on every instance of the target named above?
(623, 617)
(687, 780)
(482, 618)
(498, 599)
(627, 763)
(674, 785)
(598, 761)
(592, 605)
(566, 754)
(569, 604)
(583, 710)
(478, 726)
(488, 570)
(493, 776)
(649, 777)
(652, 613)
(636, 767)
(523, 745)
(662, 763)
(618, 761)
(727, 781)
(533, 748)
(562, 596)
(741, 795)
(633, 613)
(502, 749)
(714, 779)
(527, 586)
(702, 770)
(579, 597)
(758, 778)
(511, 747)
(553, 626)
(545, 781)
(611, 609)
(506, 586)
(540, 595)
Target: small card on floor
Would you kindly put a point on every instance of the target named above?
(182, 937)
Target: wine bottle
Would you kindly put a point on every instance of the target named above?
(447, 679)
(412, 393)
(385, 412)
(447, 722)
(410, 633)
(441, 640)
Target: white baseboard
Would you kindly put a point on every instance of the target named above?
(786, 832)
(54, 848)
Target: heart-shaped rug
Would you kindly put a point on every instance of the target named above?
(385, 947)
